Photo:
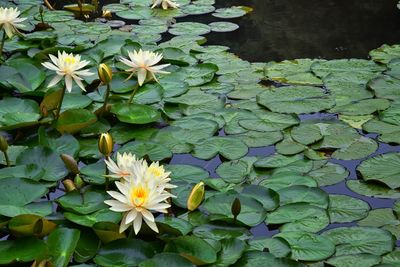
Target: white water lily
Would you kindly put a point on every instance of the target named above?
(165, 4)
(137, 199)
(128, 167)
(156, 172)
(9, 20)
(144, 62)
(67, 66)
(125, 167)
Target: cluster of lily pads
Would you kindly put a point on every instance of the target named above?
(212, 106)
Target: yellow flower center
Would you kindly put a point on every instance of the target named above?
(139, 196)
(156, 171)
(70, 60)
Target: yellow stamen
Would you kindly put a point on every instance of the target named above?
(156, 171)
(69, 60)
(139, 196)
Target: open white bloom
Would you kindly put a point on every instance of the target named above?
(9, 20)
(137, 199)
(156, 173)
(165, 4)
(69, 67)
(143, 62)
(125, 167)
(128, 167)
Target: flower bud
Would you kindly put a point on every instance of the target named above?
(78, 181)
(236, 208)
(105, 73)
(69, 185)
(3, 144)
(196, 196)
(106, 144)
(70, 163)
(106, 14)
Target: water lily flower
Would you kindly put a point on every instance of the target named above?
(165, 4)
(9, 20)
(144, 62)
(156, 172)
(127, 165)
(137, 199)
(67, 66)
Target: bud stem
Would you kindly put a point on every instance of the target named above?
(3, 39)
(106, 171)
(106, 98)
(133, 93)
(60, 104)
(7, 159)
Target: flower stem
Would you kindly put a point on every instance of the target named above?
(3, 39)
(106, 97)
(60, 104)
(133, 93)
(106, 172)
(7, 158)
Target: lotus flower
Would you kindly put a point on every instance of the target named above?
(9, 20)
(165, 4)
(143, 62)
(137, 198)
(69, 67)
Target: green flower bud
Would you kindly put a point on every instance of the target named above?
(196, 197)
(236, 208)
(106, 144)
(3, 144)
(105, 73)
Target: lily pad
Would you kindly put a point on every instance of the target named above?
(384, 168)
(299, 99)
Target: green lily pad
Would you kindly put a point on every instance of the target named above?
(299, 99)
(22, 250)
(63, 242)
(74, 120)
(307, 246)
(85, 203)
(230, 12)
(252, 211)
(363, 259)
(383, 168)
(299, 217)
(154, 151)
(343, 209)
(46, 159)
(124, 252)
(354, 240)
(16, 112)
(192, 248)
(88, 220)
(135, 113)
(385, 53)
(223, 26)
(167, 258)
(189, 28)
(227, 147)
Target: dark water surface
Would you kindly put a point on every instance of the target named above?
(288, 29)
